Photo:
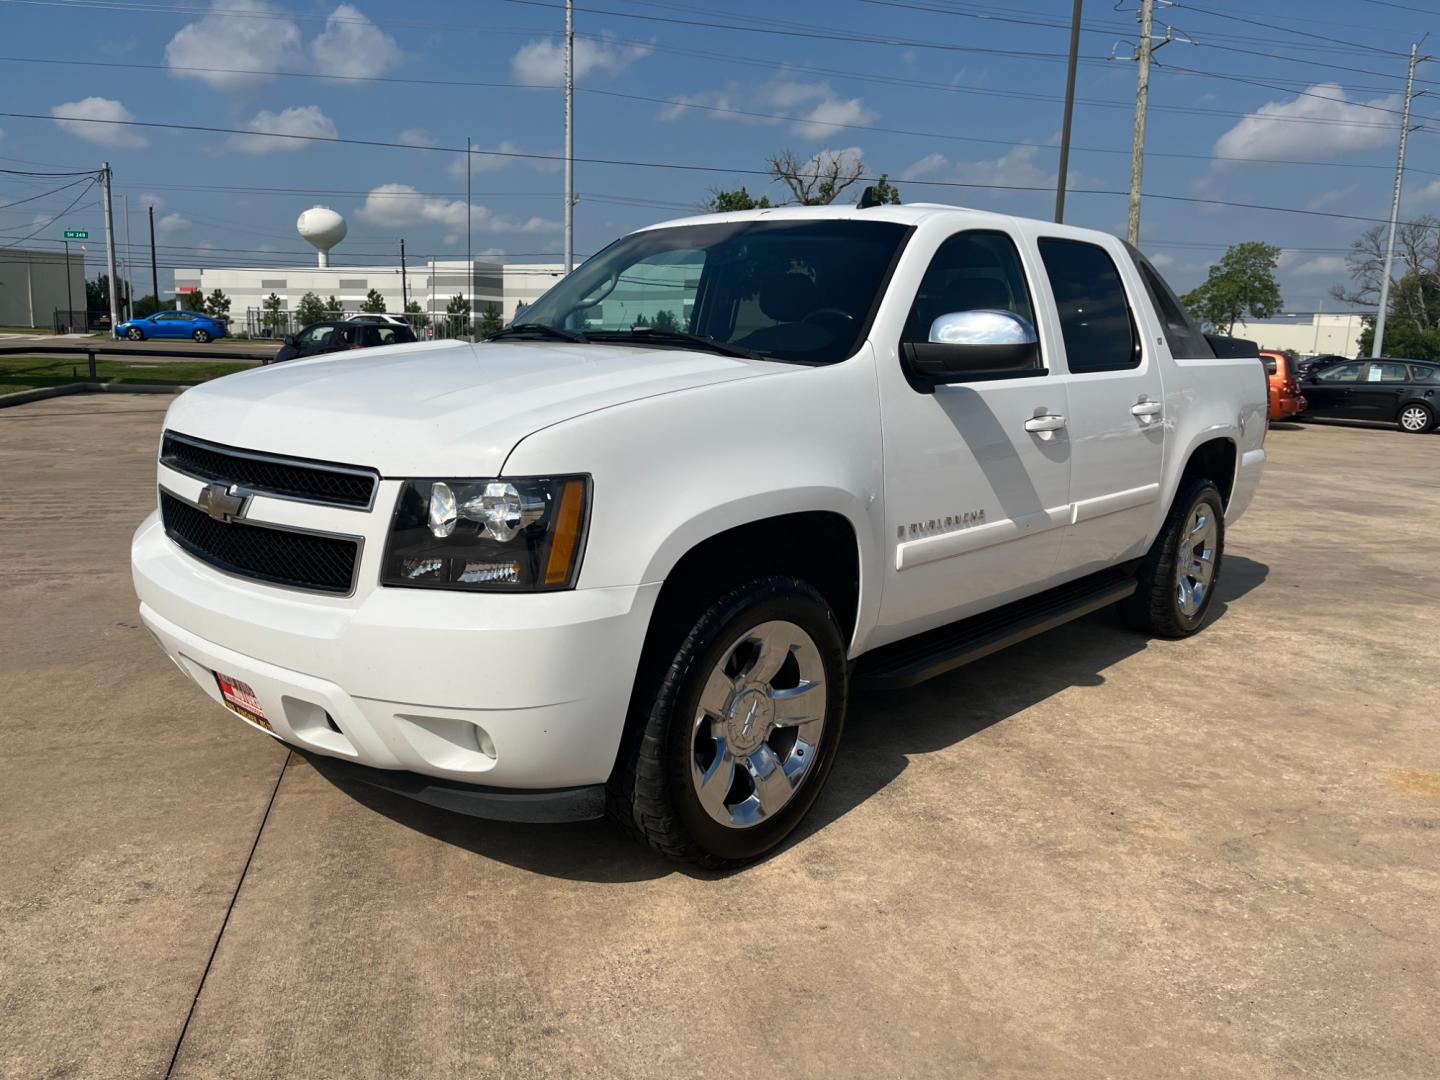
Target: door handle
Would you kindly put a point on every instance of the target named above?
(1147, 410)
(1045, 426)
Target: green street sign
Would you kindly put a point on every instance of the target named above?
(77, 234)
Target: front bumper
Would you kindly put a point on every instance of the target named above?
(525, 693)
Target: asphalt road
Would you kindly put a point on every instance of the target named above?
(1091, 856)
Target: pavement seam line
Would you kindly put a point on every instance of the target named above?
(224, 922)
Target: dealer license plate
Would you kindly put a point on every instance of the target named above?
(240, 699)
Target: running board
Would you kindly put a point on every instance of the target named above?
(905, 663)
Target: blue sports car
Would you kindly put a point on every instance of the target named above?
(172, 324)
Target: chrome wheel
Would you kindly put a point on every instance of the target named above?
(756, 732)
(1195, 561)
(1414, 418)
(134, 334)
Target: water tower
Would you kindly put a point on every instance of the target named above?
(323, 228)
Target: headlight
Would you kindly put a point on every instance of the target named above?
(517, 534)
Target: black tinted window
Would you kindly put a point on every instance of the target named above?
(1341, 373)
(1182, 333)
(1419, 373)
(972, 271)
(1094, 314)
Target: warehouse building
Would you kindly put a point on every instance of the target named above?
(34, 287)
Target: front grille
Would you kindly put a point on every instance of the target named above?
(267, 474)
(296, 560)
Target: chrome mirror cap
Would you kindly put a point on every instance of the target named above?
(984, 327)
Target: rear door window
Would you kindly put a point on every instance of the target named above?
(1095, 318)
(1341, 373)
(1388, 373)
(1424, 373)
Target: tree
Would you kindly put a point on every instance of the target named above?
(665, 320)
(1241, 285)
(217, 303)
(310, 309)
(333, 306)
(490, 320)
(817, 181)
(1412, 322)
(419, 320)
(97, 294)
(146, 306)
(458, 305)
(193, 301)
(520, 306)
(722, 202)
(374, 303)
(271, 312)
(885, 192)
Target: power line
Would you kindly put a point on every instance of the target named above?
(84, 191)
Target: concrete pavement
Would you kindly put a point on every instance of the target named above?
(1093, 855)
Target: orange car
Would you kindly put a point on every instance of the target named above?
(1285, 397)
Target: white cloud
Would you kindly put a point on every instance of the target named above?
(260, 37)
(543, 62)
(1330, 198)
(396, 206)
(99, 108)
(816, 110)
(1325, 264)
(1014, 168)
(148, 199)
(1314, 127)
(481, 162)
(168, 225)
(417, 137)
(257, 37)
(296, 120)
(1160, 260)
(352, 47)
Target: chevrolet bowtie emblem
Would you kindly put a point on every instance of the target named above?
(223, 502)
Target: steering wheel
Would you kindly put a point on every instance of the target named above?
(836, 312)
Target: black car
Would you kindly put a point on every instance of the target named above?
(328, 337)
(1404, 392)
(1312, 365)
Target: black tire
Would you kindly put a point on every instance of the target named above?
(653, 793)
(135, 334)
(1155, 607)
(202, 336)
(1427, 423)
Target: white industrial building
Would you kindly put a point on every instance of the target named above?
(430, 284)
(33, 287)
(1307, 333)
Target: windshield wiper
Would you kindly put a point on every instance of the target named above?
(535, 329)
(681, 338)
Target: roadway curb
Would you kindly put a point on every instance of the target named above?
(41, 393)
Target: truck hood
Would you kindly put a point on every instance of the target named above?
(436, 408)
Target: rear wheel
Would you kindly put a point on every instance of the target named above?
(740, 728)
(1415, 418)
(1177, 578)
(202, 336)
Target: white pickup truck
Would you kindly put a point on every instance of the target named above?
(630, 554)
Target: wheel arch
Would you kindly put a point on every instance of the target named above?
(1215, 456)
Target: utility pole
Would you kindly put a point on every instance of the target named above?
(1378, 345)
(404, 284)
(154, 270)
(469, 259)
(129, 263)
(69, 292)
(1069, 113)
(110, 249)
(1142, 108)
(569, 135)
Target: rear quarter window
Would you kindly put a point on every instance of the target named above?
(1182, 333)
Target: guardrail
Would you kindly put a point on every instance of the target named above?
(99, 348)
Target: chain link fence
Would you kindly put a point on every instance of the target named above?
(76, 321)
(263, 324)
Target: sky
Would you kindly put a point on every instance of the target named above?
(1281, 104)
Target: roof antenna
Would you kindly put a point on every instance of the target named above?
(868, 198)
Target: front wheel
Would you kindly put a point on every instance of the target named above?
(135, 334)
(202, 336)
(1416, 418)
(1177, 579)
(739, 728)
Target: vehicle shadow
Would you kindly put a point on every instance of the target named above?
(883, 731)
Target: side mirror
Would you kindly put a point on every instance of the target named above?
(288, 339)
(976, 345)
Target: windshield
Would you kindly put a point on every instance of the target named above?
(801, 291)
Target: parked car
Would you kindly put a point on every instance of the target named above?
(596, 564)
(1394, 391)
(1306, 365)
(331, 336)
(172, 324)
(1285, 397)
